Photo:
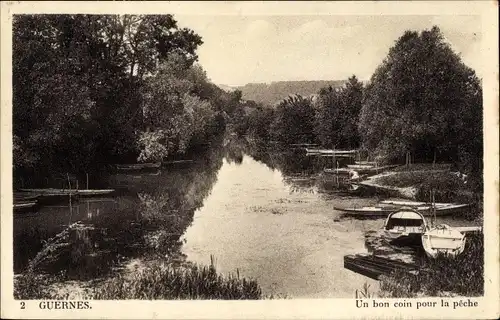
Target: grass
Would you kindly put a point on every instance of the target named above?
(447, 187)
(158, 280)
(443, 276)
(162, 281)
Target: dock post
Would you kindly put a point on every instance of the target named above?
(87, 180)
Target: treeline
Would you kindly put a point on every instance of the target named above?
(422, 101)
(91, 90)
(275, 91)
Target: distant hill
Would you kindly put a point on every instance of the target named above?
(275, 91)
(227, 88)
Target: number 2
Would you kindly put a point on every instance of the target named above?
(22, 305)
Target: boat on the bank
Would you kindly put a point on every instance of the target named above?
(405, 223)
(138, 166)
(443, 239)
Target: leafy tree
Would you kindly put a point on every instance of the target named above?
(77, 83)
(294, 120)
(259, 122)
(337, 115)
(424, 100)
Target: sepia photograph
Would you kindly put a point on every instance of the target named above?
(176, 155)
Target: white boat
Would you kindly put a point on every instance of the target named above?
(443, 239)
(405, 222)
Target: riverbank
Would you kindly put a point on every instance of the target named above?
(418, 181)
(168, 278)
(441, 277)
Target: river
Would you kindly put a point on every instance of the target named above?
(260, 212)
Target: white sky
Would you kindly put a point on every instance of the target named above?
(242, 49)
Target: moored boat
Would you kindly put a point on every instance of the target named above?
(24, 206)
(443, 239)
(64, 192)
(412, 203)
(368, 211)
(50, 191)
(441, 209)
(138, 166)
(94, 192)
(405, 223)
(339, 171)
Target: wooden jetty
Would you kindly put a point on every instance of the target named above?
(374, 267)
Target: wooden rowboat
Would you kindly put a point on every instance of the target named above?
(66, 192)
(138, 166)
(51, 191)
(368, 211)
(443, 239)
(24, 206)
(405, 223)
(94, 192)
(380, 211)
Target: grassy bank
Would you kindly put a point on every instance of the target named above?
(162, 281)
(425, 178)
(443, 276)
(157, 280)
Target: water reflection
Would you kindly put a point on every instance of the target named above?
(147, 218)
(264, 211)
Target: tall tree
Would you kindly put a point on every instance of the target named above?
(77, 80)
(423, 99)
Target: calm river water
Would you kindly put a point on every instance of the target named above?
(266, 214)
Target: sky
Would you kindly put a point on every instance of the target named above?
(245, 49)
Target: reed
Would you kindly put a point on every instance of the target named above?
(163, 281)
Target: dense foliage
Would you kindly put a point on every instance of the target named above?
(422, 99)
(337, 115)
(94, 89)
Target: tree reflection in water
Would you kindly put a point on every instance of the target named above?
(147, 221)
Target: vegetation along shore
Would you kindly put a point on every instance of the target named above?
(123, 99)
